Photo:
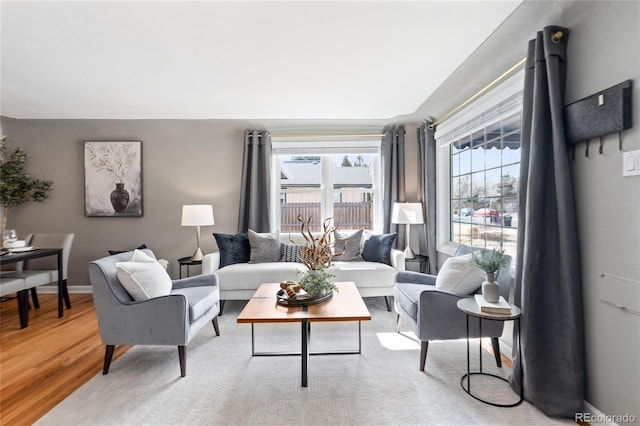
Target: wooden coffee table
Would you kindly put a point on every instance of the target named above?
(345, 305)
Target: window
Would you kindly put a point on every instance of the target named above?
(484, 173)
(343, 186)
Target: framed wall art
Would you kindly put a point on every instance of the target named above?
(112, 178)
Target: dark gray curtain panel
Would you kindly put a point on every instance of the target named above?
(427, 193)
(548, 284)
(255, 211)
(393, 177)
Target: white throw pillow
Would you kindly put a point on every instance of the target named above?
(143, 277)
(459, 276)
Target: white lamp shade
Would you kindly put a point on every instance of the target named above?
(407, 213)
(197, 215)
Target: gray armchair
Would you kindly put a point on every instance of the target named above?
(433, 315)
(168, 320)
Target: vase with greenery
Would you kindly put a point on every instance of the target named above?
(316, 255)
(16, 186)
(490, 262)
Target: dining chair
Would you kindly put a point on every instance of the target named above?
(44, 270)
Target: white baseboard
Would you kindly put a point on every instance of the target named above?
(50, 289)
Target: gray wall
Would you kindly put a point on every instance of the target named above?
(184, 162)
(603, 50)
(199, 162)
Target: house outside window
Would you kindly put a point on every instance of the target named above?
(343, 186)
(483, 150)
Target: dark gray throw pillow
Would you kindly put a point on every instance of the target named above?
(233, 248)
(377, 248)
(348, 244)
(264, 247)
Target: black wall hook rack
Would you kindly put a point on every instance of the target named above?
(598, 115)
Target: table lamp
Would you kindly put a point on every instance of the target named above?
(197, 215)
(407, 214)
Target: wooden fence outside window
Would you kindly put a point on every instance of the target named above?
(345, 215)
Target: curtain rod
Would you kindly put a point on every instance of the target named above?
(478, 93)
(372, 135)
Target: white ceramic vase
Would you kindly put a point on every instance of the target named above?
(491, 289)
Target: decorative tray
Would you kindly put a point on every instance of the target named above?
(283, 299)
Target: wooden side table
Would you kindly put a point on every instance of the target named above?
(471, 309)
(187, 261)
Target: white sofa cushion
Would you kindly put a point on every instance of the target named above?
(366, 274)
(249, 276)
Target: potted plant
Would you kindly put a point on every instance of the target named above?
(316, 255)
(16, 186)
(490, 262)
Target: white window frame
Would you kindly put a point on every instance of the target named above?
(455, 127)
(325, 149)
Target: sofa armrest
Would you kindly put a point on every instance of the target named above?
(415, 278)
(204, 280)
(210, 263)
(397, 260)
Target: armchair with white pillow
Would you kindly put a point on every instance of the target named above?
(138, 303)
(428, 303)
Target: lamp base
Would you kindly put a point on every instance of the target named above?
(198, 255)
(408, 253)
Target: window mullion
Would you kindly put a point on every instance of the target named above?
(326, 188)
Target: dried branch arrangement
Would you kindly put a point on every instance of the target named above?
(316, 252)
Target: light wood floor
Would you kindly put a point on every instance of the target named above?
(44, 363)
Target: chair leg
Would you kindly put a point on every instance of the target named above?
(182, 355)
(388, 302)
(423, 354)
(221, 308)
(34, 297)
(215, 325)
(65, 294)
(108, 355)
(23, 308)
(495, 343)
(398, 323)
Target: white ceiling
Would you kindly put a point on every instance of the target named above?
(234, 60)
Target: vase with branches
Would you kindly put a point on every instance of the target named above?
(316, 255)
(16, 186)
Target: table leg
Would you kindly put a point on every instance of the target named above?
(61, 289)
(468, 362)
(305, 352)
(253, 342)
(480, 343)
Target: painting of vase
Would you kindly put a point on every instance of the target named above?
(113, 178)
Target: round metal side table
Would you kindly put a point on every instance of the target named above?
(187, 261)
(471, 309)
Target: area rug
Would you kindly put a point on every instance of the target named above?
(225, 385)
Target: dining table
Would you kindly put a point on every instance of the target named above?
(14, 257)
